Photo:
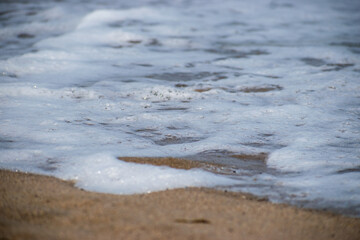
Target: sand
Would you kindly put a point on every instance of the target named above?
(41, 207)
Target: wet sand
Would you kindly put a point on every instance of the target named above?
(41, 207)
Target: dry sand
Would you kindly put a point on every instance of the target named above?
(41, 207)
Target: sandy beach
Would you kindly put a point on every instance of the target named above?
(41, 207)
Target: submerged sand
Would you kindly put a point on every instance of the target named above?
(41, 207)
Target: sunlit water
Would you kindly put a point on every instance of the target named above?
(85, 83)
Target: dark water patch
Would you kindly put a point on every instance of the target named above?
(232, 68)
(31, 13)
(173, 108)
(234, 23)
(143, 64)
(345, 144)
(189, 65)
(347, 44)
(3, 140)
(116, 46)
(261, 75)
(272, 76)
(184, 76)
(147, 130)
(3, 13)
(135, 41)
(161, 139)
(130, 23)
(233, 53)
(6, 143)
(181, 85)
(246, 163)
(264, 145)
(171, 139)
(337, 66)
(12, 42)
(50, 165)
(162, 50)
(83, 85)
(219, 77)
(89, 122)
(261, 89)
(180, 36)
(355, 50)
(266, 135)
(310, 22)
(254, 30)
(8, 74)
(225, 36)
(315, 62)
(349, 170)
(224, 51)
(154, 42)
(256, 89)
(216, 154)
(177, 127)
(341, 65)
(274, 5)
(5, 16)
(131, 43)
(128, 80)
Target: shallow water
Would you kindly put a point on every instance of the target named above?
(84, 83)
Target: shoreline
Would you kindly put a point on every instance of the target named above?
(42, 207)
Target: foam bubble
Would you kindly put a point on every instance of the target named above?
(104, 173)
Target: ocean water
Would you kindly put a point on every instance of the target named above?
(276, 82)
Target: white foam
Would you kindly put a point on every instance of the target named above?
(104, 173)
